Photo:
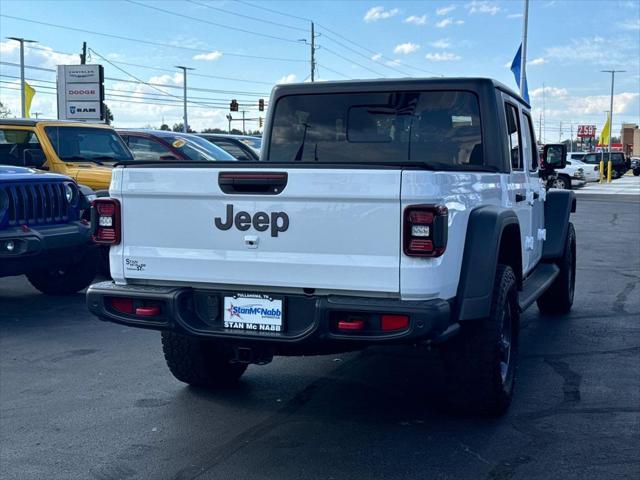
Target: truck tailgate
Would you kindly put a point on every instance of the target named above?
(336, 229)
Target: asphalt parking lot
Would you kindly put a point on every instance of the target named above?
(82, 399)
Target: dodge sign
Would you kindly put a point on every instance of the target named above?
(80, 92)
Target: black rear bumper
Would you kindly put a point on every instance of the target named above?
(311, 322)
(42, 247)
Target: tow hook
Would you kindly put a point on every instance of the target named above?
(259, 356)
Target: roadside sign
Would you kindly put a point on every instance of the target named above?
(586, 131)
(80, 92)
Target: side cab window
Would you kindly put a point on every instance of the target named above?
(530, 139)
(513, 137)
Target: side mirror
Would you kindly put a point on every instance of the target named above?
(33, 157)
(554, 156)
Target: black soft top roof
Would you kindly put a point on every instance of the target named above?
(446, 83)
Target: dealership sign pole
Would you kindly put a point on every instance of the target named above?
(81, 92)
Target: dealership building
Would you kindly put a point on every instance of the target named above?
(630, 139)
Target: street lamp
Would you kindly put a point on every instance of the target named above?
(185, 127)
(23, 100)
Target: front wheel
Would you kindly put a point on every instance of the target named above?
(200, 363)
(481, 360)
(636, 172)
(558, 298)
(67, 279)
(561, 183)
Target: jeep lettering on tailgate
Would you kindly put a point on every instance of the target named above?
(279, 221)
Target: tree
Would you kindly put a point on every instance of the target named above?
(108, 116)
(178, 127)
(4, 111)
(235, 131)
(165, 127)
(213, 130)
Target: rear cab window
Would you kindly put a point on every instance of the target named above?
(441, 129)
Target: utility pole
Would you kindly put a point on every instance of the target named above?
(571, 138)
(613, 77)
(523, 53)
(313, 52)
(83, 55)
(36, 114)
(229, 118)
(244, 132)
(544, 110)
(185, 125)
(23, 100)
(540, 128)
(560, 134)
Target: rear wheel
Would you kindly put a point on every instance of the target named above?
(67, 279)
(636, 172)
(481, 360)
(558, 298)
(199, 362)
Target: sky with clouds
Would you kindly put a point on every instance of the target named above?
(240, 49)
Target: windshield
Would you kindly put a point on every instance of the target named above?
(199, 149)
(76, 144)
(253, 142)
(441, 128)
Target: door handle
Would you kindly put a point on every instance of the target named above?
(520, 197)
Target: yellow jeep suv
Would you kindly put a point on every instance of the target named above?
(83, 151)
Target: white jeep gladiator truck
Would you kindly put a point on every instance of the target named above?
(381, 212)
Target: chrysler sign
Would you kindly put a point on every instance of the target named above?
(80, 92)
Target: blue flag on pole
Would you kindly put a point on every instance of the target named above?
(515, 68)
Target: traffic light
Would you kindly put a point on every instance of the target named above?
(234, 105)
(260, 122)
(261, 105)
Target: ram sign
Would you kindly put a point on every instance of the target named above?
(80, 92)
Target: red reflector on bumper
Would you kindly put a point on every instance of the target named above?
(351, 325)
(122, 305)
(394, 322)
(151, 311)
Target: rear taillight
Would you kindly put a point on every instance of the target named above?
(106, 221)
(425, 230)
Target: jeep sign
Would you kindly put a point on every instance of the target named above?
(80, 92)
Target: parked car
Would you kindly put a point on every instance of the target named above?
(154, 145)
(413, 222)
(635, 165)
(233, 145)
(83, 151)
(42, 234)
(619, 163)
(571, 176)
(591, 172)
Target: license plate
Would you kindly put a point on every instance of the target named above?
(256, 312)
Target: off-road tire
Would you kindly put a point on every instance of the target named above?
(67, 279)
(558, 299)
(474, 359)
(200, 363)
(636, 172)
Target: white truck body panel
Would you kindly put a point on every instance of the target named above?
(344, 232)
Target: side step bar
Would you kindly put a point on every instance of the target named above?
(537, 283)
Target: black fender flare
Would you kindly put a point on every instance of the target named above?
(558, 206)
(481, 253)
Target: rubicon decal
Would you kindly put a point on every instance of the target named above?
(277, 222)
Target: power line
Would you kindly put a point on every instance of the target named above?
(354, 62)
(163, 69)
(208, 22)
(252, 5)
(229, 92)
(148, 42)
(334, 71)
(261, 20)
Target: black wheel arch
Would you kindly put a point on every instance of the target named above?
(493, 237)
(558, 206)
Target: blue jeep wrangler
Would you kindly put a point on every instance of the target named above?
(42, 232)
